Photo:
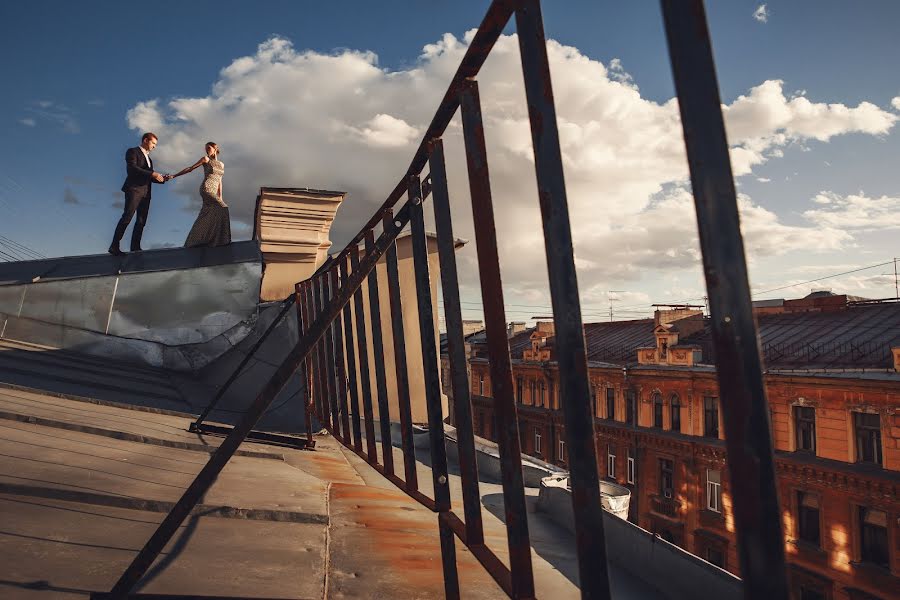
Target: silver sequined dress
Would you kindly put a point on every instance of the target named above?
(213, 224)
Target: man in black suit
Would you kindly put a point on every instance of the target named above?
(137, 192)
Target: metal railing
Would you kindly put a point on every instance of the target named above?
(332, 344)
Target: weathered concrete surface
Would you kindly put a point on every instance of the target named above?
(280, 527)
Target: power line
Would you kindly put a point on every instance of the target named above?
(13, 243)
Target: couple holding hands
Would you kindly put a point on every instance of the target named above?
(212, 226)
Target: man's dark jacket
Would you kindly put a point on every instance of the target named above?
(138, 180)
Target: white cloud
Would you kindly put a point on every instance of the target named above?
(895, 102)
(288, 118)
(763, 179)
(761, 14)
(855, 211)
(28, 122)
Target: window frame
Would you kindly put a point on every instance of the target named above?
(611, 462)
(667, 467)
(874, 435)
(656, 400)
(675, 413)
(631, 469)
(714, 491)
(711, 417)
(862, 527)
(610, 403)
(803, 517)
(804, 422)
(537, 441)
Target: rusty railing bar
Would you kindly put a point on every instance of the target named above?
(351, 359)
(340, 371)
(438, 448)
(439, 473)
(462, 400)
(593, 568)
(312, 359)
(498, 345)
(491, 563)
(229, 446)
(363, 354)
(745, 412)
(307, 382)
(326, 351)
(330, 367)
(400, 366)
(384, 415)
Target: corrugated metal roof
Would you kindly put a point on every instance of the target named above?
(856, 337)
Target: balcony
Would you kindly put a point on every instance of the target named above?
(667, 507)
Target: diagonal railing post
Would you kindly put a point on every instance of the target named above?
(439, 473)
(384, 415)
(522, 576)
(593, 568)
(745, 410)
(400, 366)
(351, 359)
(340, 371)
(462, 401)
(363, 355)
(302, 325)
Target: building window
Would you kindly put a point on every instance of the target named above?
(715, 556)
(611, 403)
(808, 518)
(561, 449)
(533, 392)
(710, 417)
(812, 593)
(657, 410)
(520, 389)
(873, 540)
(537, 441)
(805, 428)
(666, 478)
(629, 407)
(550, 395)
(868, 437)
(611, 461)
(630, 476)
(714, 491)
(481, 384)
(541, 388)
(675, 414)
(595, 400)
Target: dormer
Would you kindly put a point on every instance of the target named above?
(671, 327)
(540, 346)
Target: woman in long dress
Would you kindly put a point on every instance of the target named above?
(213, 224)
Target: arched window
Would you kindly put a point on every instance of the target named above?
(675, 414)
(657, 410)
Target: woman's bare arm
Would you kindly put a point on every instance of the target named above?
(186, 170)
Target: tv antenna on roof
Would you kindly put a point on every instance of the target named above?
(609, 294)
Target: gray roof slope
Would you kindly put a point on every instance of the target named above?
(105, 265)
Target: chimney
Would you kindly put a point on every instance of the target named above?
(514, 327)
(545, 327)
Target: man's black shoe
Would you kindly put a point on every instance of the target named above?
(137, 249)
(114, 250)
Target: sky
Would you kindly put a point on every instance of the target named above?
(337, 96)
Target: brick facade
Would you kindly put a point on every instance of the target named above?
(679, 478)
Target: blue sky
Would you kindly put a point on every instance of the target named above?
(72, 74)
